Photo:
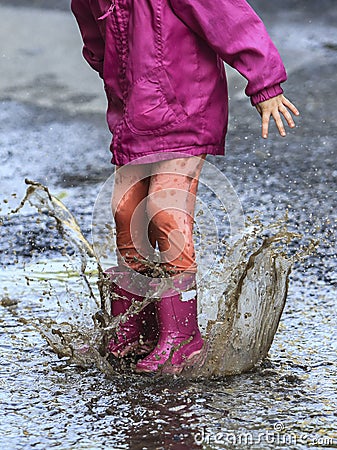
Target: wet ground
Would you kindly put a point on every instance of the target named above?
(52, 130)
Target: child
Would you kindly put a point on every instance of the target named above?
(162, 66)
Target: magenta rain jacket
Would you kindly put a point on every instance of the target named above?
(161, 62)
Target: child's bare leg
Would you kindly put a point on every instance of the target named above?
(138, 333)
(170, 205)
(133, 235)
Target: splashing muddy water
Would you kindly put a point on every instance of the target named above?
(83, 401)
(52, 130)
(248, 288)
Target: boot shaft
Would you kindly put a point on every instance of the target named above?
(133, 326)
(177, 309)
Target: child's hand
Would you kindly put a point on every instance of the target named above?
(273, 107)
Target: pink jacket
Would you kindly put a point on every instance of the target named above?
(161, 62)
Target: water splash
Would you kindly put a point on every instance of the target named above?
(254, 278)
(241, 302)
(39, 197)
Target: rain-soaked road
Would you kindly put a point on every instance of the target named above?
(52, 130)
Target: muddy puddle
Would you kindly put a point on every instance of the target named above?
(47, 306)
(54, 396)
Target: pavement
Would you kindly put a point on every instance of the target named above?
(52, 114)
(53, 130)
(41, 62)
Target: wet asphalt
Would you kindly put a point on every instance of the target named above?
(53, 130)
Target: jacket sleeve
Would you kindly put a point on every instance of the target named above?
(239, 37)
(93, 43)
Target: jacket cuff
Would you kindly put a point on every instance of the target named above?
(266, 94)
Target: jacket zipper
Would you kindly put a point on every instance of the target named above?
(108, 12)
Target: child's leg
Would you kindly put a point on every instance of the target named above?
(170, 206)
(129, 209)
(133, 231)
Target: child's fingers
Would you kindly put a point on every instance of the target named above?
(279, 123)
(265, 123)
(286, 114)
(290, 106)
(277, 107)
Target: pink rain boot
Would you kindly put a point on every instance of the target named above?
(180, 342)
(138, 333)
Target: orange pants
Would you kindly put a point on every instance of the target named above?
(153, 205)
